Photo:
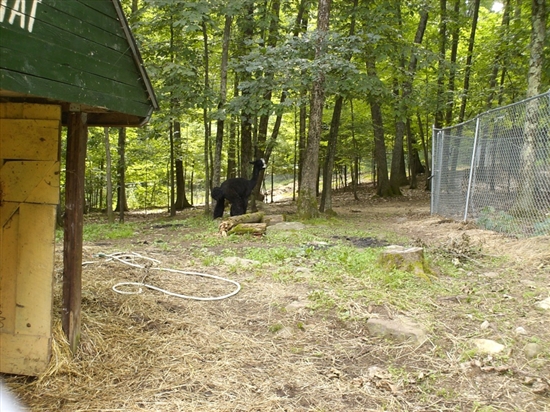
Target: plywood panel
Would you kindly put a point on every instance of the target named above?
(35, 272)
(7, 209)
(21, 179)
(28, 198)
(40, 142)
(9, 231)
(24, 354)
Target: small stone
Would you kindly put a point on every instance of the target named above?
(488, 346)
(296, 306)
(521, 331)
(397, 329)
(485, 325)
(543, 304)
(540, 387)
(532, 350)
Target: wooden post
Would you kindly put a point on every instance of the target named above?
(77, 136)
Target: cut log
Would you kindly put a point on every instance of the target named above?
(227, 224)
(248, 228)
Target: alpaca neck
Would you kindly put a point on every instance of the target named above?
(254, 180)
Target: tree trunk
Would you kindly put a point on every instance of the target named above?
(326, 195)
(247, 120)
(232, 160)
(181, 197)
(403, 110)
(441, 98)
(108, 181)
(355, 182)
(499, 61)
(455, 34)
(468, 69)
(207, 125)
(525, 202)
(307, 200)
(383, 188)
(216, 176)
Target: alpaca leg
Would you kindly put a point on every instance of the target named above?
(237, 208)
(220, 205)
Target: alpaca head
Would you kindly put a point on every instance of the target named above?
(259, 164)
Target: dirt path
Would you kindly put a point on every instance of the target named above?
(270, 349)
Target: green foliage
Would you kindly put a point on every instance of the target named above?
(269, 56)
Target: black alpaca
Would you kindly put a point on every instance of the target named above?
(236, 191)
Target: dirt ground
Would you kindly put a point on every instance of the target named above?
(265, 349)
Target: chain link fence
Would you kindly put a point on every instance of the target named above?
(495, 169)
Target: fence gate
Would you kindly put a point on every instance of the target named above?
(29, 193)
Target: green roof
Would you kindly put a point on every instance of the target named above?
(78, 52)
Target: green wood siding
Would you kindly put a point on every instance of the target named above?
(74, 51)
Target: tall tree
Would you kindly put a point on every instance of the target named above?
(468, 69)
(216, 176)
(307, 195)
(525, 201)
(206, 121)
(441, 99)
(326, 194)
(181, 201)
(455, 35)
(398, 176)
(247, 26)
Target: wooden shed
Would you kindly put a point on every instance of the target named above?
(62, 62)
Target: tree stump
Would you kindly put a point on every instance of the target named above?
(407, 259)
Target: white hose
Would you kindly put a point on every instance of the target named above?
(128, 258)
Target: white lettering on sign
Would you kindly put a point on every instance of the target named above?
(19, 12)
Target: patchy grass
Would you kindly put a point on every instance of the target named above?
(294, 338)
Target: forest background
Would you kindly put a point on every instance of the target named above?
(330, 93)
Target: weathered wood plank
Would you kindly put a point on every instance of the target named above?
(97, 59)
(94, 16)
(69, 93)
(88, 49)
(56, 71)
(73, 226)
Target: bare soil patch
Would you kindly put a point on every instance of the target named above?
(264, 349)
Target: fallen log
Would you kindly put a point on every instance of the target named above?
(248, 228)
(227, 224)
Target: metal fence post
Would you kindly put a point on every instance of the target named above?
(472, 165)
(432, 185)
